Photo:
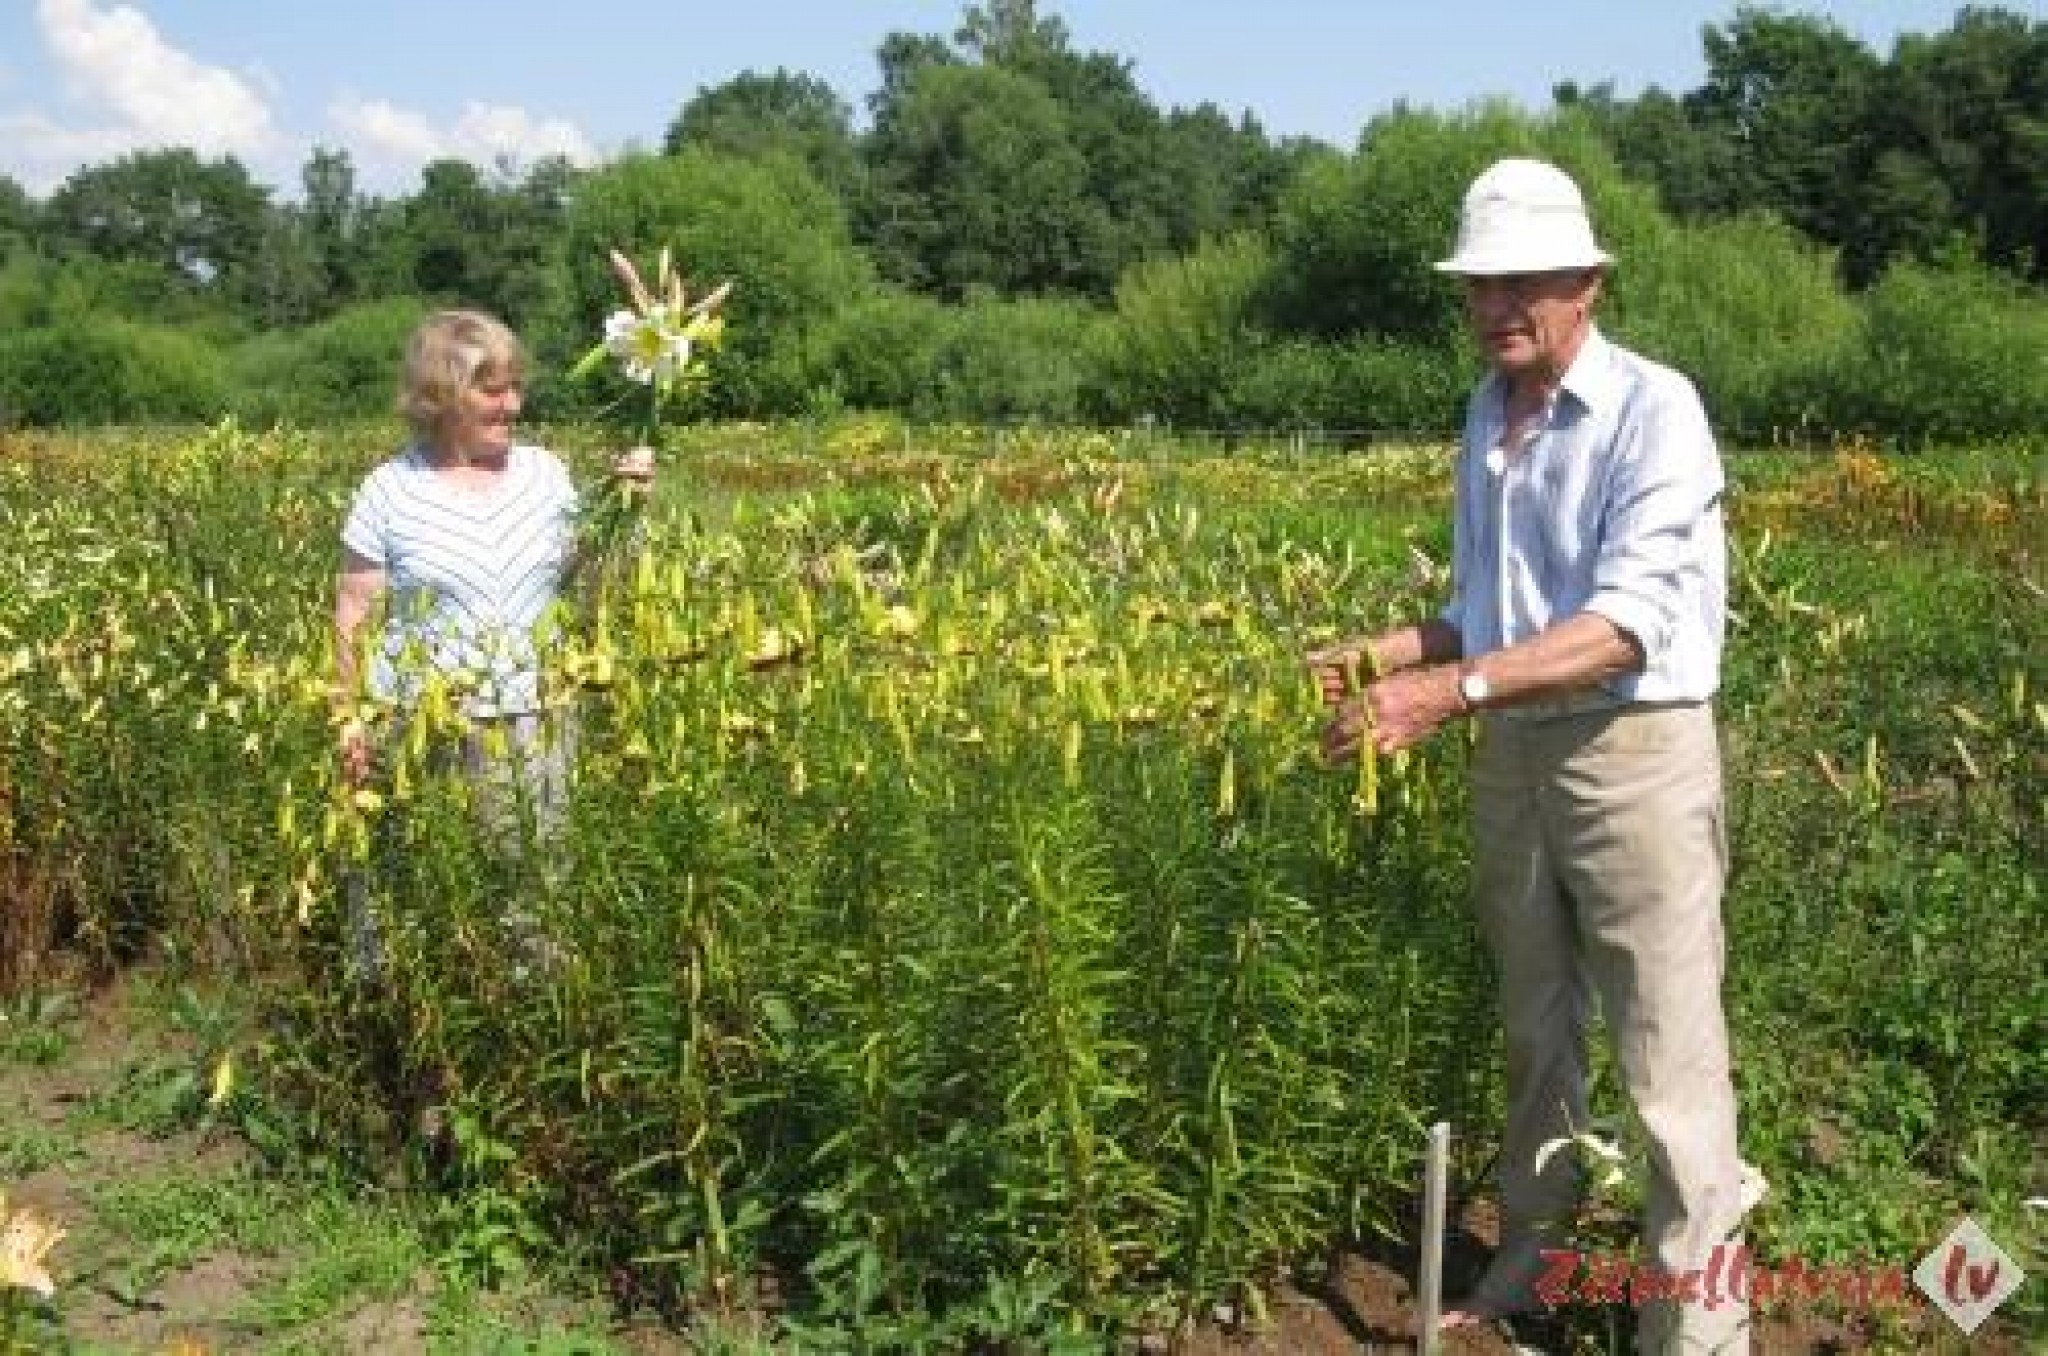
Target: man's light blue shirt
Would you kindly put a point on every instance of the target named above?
(1613, 506)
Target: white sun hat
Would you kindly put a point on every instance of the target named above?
(1524, 216)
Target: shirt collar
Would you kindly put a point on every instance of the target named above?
(1593, 380)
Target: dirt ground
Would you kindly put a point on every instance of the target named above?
(1362, 1304)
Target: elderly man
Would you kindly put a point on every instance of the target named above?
(1584, 636)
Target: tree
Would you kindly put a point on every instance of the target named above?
(18, 218)
(1113, 185)
(490, 243)
(1785, 104)
(1958, 148)
(755, 115)
(902, 57)
(201, 222)
(450, 221)
(283, 284)
(1226, 176)
(333, 215)
(1655, 139)
(1010, 33)
(1356, 235)
(976, 182)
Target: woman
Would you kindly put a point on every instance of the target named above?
(466, 538)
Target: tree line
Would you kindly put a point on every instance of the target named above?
(1828, 239)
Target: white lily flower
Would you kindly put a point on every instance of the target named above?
(1592, 1146)
(25, 1242)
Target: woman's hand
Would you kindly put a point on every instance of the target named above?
(634, 469)
(356, 758)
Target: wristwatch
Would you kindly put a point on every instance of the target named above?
(1473, 689)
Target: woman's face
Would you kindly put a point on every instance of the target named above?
(481, 424)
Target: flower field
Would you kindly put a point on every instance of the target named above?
(956, 938)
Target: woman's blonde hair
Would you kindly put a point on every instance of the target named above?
(446, 357)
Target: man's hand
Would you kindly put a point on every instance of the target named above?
(1409, 706)
(1397, 712)
(1341, 670)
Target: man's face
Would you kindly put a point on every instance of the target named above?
(1530, 324)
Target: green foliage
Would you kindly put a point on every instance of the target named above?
(1946, 354)
(766, 225)
(1404, 389)
(978, 183)
(987, 360)
(1880, 160)
(1356, 235)
(199, 221)
(1009, 161)
(344, 368)
(1747, 308)
(881, 352)
(1955, 149)
(754, 115)
(1784, 99)
(107, 371)
(18, 217)
(468, 240)
(37, 291)
(1183, 330)
(999, 963)
(1027, 360)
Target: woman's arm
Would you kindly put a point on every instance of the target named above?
(361, 583)
(633, 479)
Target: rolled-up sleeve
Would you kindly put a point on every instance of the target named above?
(1453, 612)
(1661, 489)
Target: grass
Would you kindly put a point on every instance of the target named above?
(175, 1229)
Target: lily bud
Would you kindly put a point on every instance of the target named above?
(630, 276)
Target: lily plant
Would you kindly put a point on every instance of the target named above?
(659, 340)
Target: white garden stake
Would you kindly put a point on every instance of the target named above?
(1435, 1176)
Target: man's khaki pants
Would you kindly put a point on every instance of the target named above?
(1600, 858)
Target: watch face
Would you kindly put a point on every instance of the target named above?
(1473, 687)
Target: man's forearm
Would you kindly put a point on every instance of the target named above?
(1434, 641)
(1579, 652)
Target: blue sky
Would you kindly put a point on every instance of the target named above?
(400, 82)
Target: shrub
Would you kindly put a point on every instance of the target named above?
(1356, 236)
(882, 353)
(1017, 360)
(1183, 332)
(1947, 354)
(1746, 307)
(1401, 388)
(767, 225)
(345, 367)
(98, 370)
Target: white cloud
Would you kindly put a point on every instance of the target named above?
(131, 89)
(390, 142)
(386, 134)
(42, 153)
(116, 59)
